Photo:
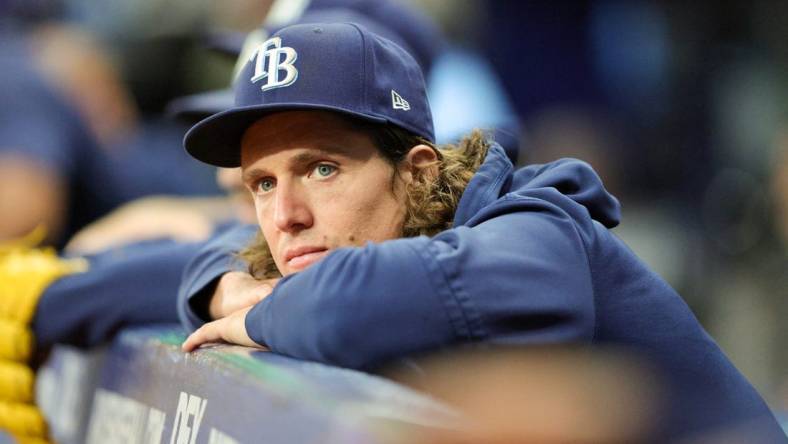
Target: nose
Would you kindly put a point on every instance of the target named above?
(291, 208)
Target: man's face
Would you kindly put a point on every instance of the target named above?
(318, 185)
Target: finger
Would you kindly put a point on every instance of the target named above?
(243, 300)
(230, 305)
(256, 297)
(205, 334)
(231, 329)
(245, 297)
(265, 289)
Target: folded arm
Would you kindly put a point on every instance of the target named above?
(519, 275)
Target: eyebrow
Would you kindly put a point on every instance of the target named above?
(251, 176)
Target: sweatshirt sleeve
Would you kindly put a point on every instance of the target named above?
(200, 275)
(129, 286)
(519, 274)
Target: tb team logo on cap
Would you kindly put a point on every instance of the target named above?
(269, 64)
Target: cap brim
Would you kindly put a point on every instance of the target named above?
(216, 140)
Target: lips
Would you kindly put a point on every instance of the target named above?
(302, 257)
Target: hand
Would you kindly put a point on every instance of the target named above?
(237, 290)
(230, 329)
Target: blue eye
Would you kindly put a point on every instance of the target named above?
(265, 185)
(325, 170)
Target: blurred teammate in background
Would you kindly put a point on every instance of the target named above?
(72, 145)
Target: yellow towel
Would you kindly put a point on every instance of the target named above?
(25, 272)
(16, 341)
(22, 420)
(16, 382)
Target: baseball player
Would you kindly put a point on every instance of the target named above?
(377, 244)
(46, 300)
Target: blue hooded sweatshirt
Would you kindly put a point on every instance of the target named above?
(530, 260)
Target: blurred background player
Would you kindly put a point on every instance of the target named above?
(72, 135)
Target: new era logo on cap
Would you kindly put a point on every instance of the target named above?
(397, 102)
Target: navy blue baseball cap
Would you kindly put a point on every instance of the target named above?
(340, 67)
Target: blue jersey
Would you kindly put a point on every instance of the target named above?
(530, 260)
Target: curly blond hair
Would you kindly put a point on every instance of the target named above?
(430, 201)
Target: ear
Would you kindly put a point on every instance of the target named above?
(421, 159)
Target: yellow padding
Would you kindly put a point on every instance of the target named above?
(22, 420)
(16, 382)
(24, 274)
(16, 341)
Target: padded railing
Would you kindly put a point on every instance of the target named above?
(143, 389)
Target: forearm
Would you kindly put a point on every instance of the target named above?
(202, 273)
(334, 313)
(360, 307)
(132, 286)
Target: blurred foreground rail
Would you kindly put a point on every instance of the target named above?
(143, 389)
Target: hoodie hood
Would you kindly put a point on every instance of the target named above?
(574, 179)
